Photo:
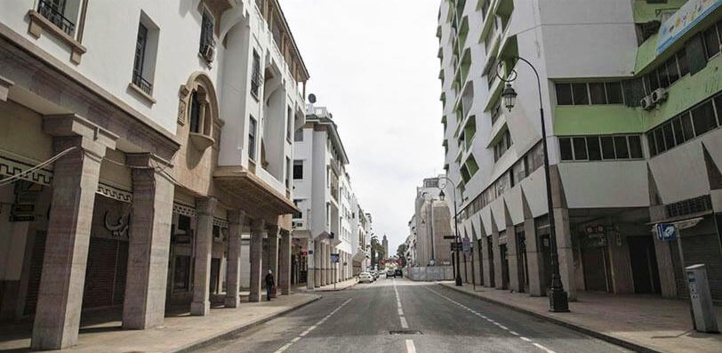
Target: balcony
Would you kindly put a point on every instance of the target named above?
(255, 194)
(55, 15)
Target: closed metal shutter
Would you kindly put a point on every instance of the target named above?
(105, 274)
(36, 269)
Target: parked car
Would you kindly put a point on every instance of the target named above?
(398, 273)
(365, 277)
(390, 273)
(375, 274)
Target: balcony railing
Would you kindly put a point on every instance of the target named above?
(47, 10)
(142, 83)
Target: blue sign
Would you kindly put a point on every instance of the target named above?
(334, 258)
(684, 19)
(667, 232)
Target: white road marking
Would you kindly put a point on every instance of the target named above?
(545, 349)
(401, 312)
(308, 330)
(404, 324)
(410, 348)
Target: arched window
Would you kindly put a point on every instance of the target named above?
(195, 113)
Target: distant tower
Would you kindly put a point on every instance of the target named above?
(385, 243)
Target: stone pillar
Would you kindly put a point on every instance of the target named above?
(75, 180)
(496, 250)
(665, 267)
(534, 259)
(317, 260)
(324, 265)
(284, 263)
(564, 250)
(273, 255)
(206, 208)
(311, 275)
(487, 268)
(149, 244)
(233, 271)
(258, 232)
(514, 265)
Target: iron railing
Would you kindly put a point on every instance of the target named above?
(142, 83)
(54, 15)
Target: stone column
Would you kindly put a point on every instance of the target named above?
(666, 268)
(75, 180)
(258, 232)
(534, 260)
(284, 263)
(273, 255)
(514, 265)
(564, 249)
(487, 268)
(498, 277)
(324, 276)
(311, 276)
(233, 272)
(149, 244)
(206, 208)
(317, 261)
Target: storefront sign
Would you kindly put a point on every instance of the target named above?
(666, 232)
(683, 20)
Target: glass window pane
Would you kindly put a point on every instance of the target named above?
(597, 92)
(564, 94)
(687, 129)
(635, 146)
(651, 144)
(718, 104)
(614, 93)
(565, 148)
(659, 139)
(580, 93)
(580, 148)
(711, 42)
(703, 118)
(620, 146)
(668, 135)
(662, 74)
(607, 147)
(677, 127)
(682, 62)
(653, 81)
(672, 71)
(593, 149)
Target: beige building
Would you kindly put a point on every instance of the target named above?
(137, 151)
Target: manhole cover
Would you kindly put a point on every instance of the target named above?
(405, 332)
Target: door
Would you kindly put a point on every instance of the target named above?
(644, 265)
(215, 275)
(595, 263)
(521, 259)
(546, 252)
(490, 255)
(504, 266)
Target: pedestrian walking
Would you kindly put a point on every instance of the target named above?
(269, 284)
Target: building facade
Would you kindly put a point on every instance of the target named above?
(328, 221)
(632, 128)
(429, 224)
(124, 151)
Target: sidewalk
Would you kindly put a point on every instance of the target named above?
(180, 333)
(330, 287)
(642, 323)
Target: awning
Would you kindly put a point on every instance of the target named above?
(255, 196)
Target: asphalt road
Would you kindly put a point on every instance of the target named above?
(397, 315)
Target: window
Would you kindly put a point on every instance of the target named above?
(565, 148)
(614, 93)
(256, 78)
(298, 135)
(580, 148)
(596, 90)
(621, 147)
(607, 147)
(564, 94)
(299, 214)
(288, 172)
(711, 41)
(289, 124)
(589, 93)
(595, 148)
(252, 130)
(207, 43)
(63, 20)
(59, 14)
(703, 117)
(146, 49)
(502, 145)
(672, 70)
(195, 113)
(579, 91)
(635, 146)
(682, 62)
(297, 169)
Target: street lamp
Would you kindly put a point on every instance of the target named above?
(558, 300)
(457, 239)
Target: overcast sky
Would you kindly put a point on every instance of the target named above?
(373, 64)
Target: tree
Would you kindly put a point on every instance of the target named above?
(377, 250)
(401, 254)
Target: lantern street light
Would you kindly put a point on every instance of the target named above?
(558, 300)
(457, 239)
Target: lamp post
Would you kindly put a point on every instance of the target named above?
(558, 300)
(457, 239)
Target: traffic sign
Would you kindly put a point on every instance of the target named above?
(456, 246)
(666, 232)
(466, 245)
(334, 258)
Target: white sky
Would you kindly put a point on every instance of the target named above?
(373, 64)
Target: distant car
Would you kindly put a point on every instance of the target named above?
(375, 274)
(390, 273)
(365, 277)
(398, 273)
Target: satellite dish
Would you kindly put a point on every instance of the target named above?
(312, 98)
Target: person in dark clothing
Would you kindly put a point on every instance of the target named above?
(269, 284)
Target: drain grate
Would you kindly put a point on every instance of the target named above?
(405, 332)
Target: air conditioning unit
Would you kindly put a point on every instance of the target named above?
(647, 103)
(659, 95)
(209, 52)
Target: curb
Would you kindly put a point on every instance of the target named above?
(205, 342)
(604, 337)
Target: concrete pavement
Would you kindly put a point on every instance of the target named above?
(180, 333)
(330, 287)
(642, 323)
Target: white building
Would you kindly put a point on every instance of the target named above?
(162, 132)
(632, 130)
(323, 194)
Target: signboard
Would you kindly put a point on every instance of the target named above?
(449, 237)
(666, 232)
(691, 13)
(334, 258)
(455, 246)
